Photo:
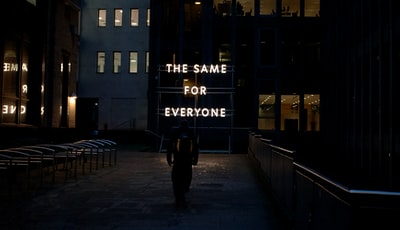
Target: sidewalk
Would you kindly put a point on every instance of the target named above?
(137, 194)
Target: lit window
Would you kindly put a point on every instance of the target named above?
(101, 57)
(147, 61)
(267, 7)
(117, 62)
(290, 112)
(134, 17)
(311, 106)
(290, 8)
(266, 111)
(148, 17)
(223, 7)
(245, 8)
(225, 53)
(133, 62)
(117, 17)
(33, 2)
(102, 18)
(311, 8)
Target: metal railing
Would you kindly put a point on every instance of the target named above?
(312, 200)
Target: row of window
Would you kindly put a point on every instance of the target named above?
(289, 112)
(118, 17)
(117, 60)
(289, 8)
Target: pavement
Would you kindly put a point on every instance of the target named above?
(136, 193)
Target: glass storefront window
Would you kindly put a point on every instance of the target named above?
(290, 8)
(311, 8)
(225, 53)
(10, 69)
(267, 7)
(266, 112)
(223, 7)
(15, 83)
(245, 8)
(9, 110)
(290, 112)
(311, 106)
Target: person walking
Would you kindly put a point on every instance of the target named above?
(182, 153)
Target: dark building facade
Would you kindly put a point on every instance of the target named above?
(39, 52)
(317, 77)
(360, 119)
(271, 50)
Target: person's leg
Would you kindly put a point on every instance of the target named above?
(188, 178)
(178, 187)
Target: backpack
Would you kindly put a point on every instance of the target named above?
(184, 143)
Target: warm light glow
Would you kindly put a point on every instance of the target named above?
(195, 112)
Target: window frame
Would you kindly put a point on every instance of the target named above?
(147, 61)
(148, 17)
(116, 15)
(133, 68)
(131, 18)
(98, 62)
(117, 62)
(101, 23)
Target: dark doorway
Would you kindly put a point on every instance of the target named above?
(87, 114)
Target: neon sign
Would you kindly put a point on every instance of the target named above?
(13, 67)
(197, 68)
(195, 90)
(11, 109)
(195, 112)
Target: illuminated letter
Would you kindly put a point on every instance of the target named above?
(14, 67)
(214, 112)
(5, 109)
(196, 68)
(13, 109)
(205, 112)
(23, 109)
(194, 90)
(168, 67)
(186, 89)
(175, 111)
(183, 112)
(167, 112)
(6, 67)
(214, 69)
(223, 68)
(203, 90)
(189, 112)
(177, 68)
(197, 111)
(204, 69)
(24, 67)
(24, 88)
(222, 112)
(184, 68)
